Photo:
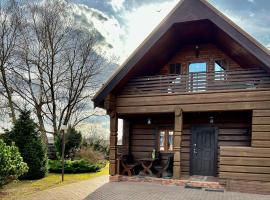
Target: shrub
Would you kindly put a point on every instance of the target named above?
(97, 144)
(27, 138)
(87, 153)
(76, 166)
(73, 140)
(11, 163)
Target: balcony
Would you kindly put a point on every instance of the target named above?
(198, 82)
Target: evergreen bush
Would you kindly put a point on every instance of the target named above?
(26, 137)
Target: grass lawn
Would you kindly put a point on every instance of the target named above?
(19, 189)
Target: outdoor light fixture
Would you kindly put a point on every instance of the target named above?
(197, 51)
(149, 121)
(211, 120)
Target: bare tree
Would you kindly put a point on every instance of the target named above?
(58, 65)
(10, 23)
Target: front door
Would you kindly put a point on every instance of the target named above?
(203, 151)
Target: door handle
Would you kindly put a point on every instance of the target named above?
(194, 149)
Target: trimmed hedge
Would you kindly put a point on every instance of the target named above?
(73, 167)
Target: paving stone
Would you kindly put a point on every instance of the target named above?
(146, 191)
(73, 191)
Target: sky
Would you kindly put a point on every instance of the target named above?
(123, 24)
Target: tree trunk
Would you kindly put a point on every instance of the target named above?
(9, 95)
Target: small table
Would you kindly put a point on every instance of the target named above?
(147, 163)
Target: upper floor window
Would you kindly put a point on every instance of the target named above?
(166, 140)
(197, 76)
(175, 68)
(220, 67)
(197, 67)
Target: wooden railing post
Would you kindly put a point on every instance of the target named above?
(113, 143)
(177, 143)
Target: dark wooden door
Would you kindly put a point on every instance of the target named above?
(203, 151)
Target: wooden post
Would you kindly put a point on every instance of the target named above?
(113, 143)
(177, 143)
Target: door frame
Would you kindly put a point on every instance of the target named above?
(194, 128)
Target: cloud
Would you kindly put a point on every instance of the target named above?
(141, 21)
(117, 5)
(108, 29)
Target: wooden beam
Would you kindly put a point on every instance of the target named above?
(178, 123)
(245, 152)
(248, 161)
(202, 107)
(194, 98)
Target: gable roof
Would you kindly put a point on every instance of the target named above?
(184, 13)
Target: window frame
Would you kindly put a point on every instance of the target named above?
(193, 83)
(177, 68)
(166, 140)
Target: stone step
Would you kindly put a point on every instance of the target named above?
(213, 186)
(204, 185)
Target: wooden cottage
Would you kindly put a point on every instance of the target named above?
(198, 89)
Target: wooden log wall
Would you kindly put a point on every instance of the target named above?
(245, 163)
(143, 140)
(195, 102)
(209, 53)
(144, 137)
(261, 128)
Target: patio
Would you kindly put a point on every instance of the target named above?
(142, 191)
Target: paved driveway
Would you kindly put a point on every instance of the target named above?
(73, 191)
(145, 191)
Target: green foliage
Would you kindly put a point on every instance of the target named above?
(72, 167)
(73, 140)
(11, 163)
(27, 138)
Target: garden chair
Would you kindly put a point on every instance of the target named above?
(165, 171)
(128, 164)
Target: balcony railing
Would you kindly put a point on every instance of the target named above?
(198, 82)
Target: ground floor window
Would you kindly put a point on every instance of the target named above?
(165, 140)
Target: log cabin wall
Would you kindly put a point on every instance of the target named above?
(261, 128)
(247, 169)
(208, 53)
